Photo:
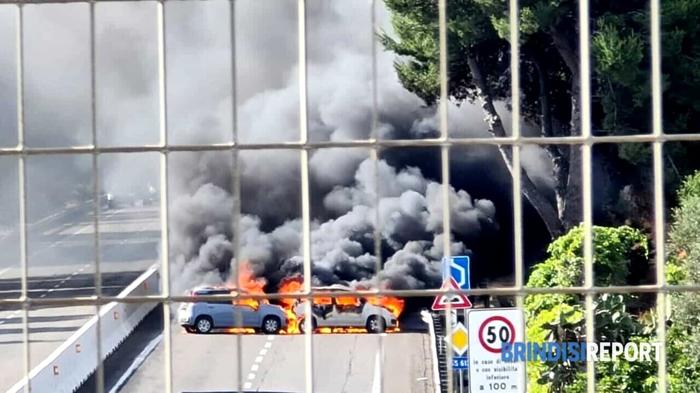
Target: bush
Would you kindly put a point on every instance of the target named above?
(683, 267)
(560, 317)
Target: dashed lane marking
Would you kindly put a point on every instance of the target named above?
(258, 359)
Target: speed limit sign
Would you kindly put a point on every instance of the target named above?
(494, 331)
(491, 328)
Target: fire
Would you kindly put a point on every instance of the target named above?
(240, 331)
(293, 284)
(351, 330)
(393, 304)
(250, 285)
(247, 280)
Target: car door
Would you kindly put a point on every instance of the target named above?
(349, 311)
(249, 311)
(221, 313)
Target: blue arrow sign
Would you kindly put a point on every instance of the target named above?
(458, 268)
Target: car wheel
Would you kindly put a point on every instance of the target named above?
(375, 324)
(271, 325)
(203, 325)
(302, 325)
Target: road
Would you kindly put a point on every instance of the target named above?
(61, 264)
(342, 363)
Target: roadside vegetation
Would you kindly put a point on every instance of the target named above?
(478, 71)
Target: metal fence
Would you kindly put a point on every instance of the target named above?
(516, 141)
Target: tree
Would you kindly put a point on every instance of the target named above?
(560, 317)
(683, 267)
(478, 69)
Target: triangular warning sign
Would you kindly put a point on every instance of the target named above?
(456, 301)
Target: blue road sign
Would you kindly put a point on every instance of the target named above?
(460, 363)
(458, 268)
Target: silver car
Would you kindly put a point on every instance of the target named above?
(345, 311)
(205, 316)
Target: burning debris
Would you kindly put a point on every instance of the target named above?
(407, 204)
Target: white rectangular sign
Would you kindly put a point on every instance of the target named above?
(488, 329)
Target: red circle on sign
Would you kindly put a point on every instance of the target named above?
(483, 326)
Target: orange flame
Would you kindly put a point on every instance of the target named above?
(247, 280)
(393, 304)
(290, 285)
(255, 285)
(249, 284)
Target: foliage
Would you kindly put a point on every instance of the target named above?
(561, 317)
(620, 81)
(683, 267)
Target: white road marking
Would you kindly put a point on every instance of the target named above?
(258, 359)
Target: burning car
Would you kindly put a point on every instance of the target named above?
(205, 316)
(349, 311)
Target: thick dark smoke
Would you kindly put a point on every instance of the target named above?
(342, 248)
(199, 102)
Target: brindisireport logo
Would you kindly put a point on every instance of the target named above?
(572, 351)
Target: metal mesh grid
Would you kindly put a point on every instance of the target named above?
(586, 141)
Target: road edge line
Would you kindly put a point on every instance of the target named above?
(425, 316)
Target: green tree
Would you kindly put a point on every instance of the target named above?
(560, 317)
(683, 268)
(478, 69)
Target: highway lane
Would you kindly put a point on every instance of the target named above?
(349, 363)
(61, 263)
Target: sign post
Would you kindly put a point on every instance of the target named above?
(490, 328)
(455, 275)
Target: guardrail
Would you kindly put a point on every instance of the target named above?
(76, 359)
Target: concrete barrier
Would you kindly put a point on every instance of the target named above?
(427, 318)
(76, 358)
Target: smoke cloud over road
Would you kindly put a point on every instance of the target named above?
(410, 216)
(348, 194)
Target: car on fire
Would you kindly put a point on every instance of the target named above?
(349, 311)
(204, 316)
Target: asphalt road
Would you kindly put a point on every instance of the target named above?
(61, 258)
(342, 363)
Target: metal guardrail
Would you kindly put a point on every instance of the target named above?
(77, 358)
